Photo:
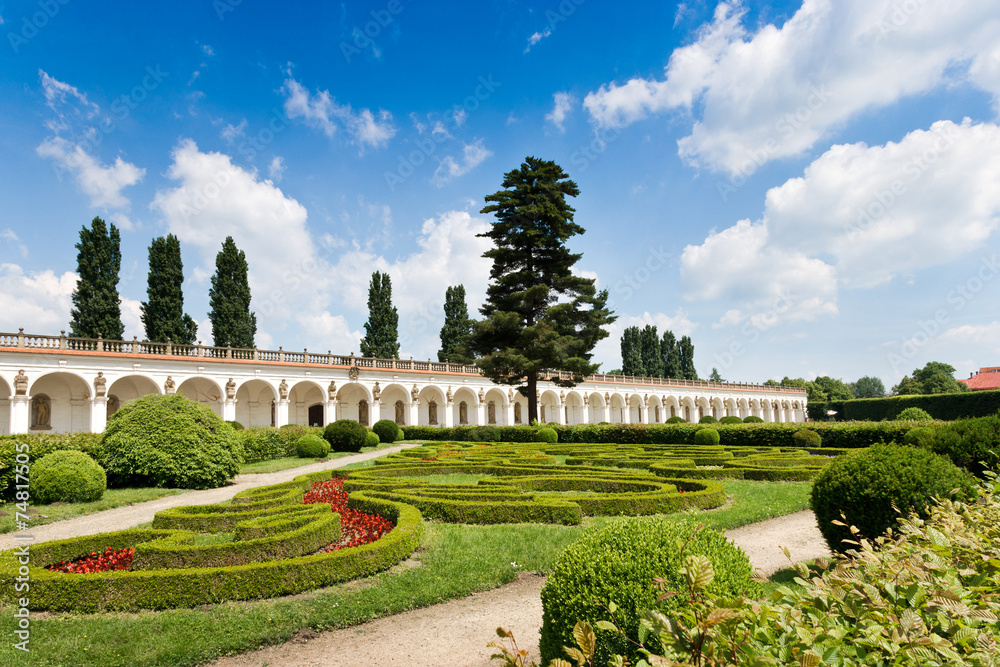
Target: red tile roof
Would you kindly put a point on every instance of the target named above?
(986, 378)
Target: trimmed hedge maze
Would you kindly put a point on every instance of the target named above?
(266, 542)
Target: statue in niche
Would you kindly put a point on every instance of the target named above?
(491, 412)
(283, 390)
(169, 386)
(482, 395)
(463, 413)
(377, 392)
(331, 391)
(517, 413)
(399, 413)
(41, 411)
(432, 413)
(100, 384)
(542, 409)
(230, 389)
(21, 383)
(448, 396)
(113, 405)
(414, 394)
(363, 412)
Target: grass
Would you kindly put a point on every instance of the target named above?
(112, 498)
(455, 560)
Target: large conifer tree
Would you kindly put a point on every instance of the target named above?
(652, 356)
(686, 350)
(456, 329)
(538, 316)
(229, 298)
(163, 314)
(382, 328)
(671, 356)
(96, 304)
(632, 352)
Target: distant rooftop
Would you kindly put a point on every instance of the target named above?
(986, 378)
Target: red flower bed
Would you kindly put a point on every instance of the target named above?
(111, 559)
(356, 528)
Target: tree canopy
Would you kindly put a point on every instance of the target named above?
(456, 329)
(382, 328)
(96, 303)
(869, 387)
(229, 299)
(631, 346)
(163, 315)
(538, 316)
(934, 378)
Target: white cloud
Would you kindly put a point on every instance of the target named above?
(231, 132)
(102, 183)
(8, 237)
(563, 104)
(276, 169)
(59, 94)
(208, 50)
(537, 37)
(322, 112)
(37, 301)
(449, 168)
(776, 92)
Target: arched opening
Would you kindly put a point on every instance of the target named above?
(303, 400)
(351, 400)
(464, 406)
(316, 415)
(204, 391)
(429, 410)
(255, 403)
(66, 407)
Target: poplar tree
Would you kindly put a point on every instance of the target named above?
(652, 358)
(96, 303)
(382, 328)
(686, 349)
(456, 329)
(632, 352)
(538, 316)
(671, 356)
(163, 315)
(229, 297)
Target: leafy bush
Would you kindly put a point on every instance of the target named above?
(706, 436)
(312, 447)
(346, 435)
(617, 564)
(236, 425)
(40, 444)
(264, 443)
(752, 419)
(486, 433)
(806, 438)
(971, 443)
(546, 435)
(731, 419)
(170, 441)
(67, 476)
(920, 436)
(676, 420)
(866, 485)
(708, 419)
(372, 439)
(386, 430)
(914, 415)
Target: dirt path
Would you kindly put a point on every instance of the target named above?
(455, 633)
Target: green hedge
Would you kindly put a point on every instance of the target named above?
(947, 407)
(40, 444)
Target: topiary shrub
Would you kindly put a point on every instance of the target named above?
(706, 436)
(752, 419)
(386, 430)
(545, 435)
(672, 420)
(345, 435)
(67, 476)
(915, 415)
(485, 434)
(708, 419)
(372, 439)
(806, 438)
(921, 436)
(399, 433)
(236, 425)
(617, 563)
(731, 419)
(312, 446)
(866, 484)
(973, 444)
(169, 441)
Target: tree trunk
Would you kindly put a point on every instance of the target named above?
(532, 397)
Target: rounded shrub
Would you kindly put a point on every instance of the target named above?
(865, 485)
(806, 438)
(752, 419)
(731, 419)
(708, 419)
(915, 414)
(169, 441)
(236, 425)
(386, 429)
(545, 435)
(68, 476)
(372, 439)
(312, 446)
(617, 563)
(399, 433)
(673, 420)
(706, 436)
(345, 435)
(973, 444)
(920, 436)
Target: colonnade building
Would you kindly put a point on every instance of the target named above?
(66, 384)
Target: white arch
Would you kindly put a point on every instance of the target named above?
(500, 403)
(305, 397)
(255, 400)
(574, 411)
(436, 394)
(467, 396)
(69, 399)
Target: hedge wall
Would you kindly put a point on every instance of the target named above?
(940, 406)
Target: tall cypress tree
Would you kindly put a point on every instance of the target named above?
(382, 328)
(652, 357)
(96, 304)
(229, 297)
(538, 316)
(686, 348)
(632, 352)
(456, 329)
(671, 356)
(163, 315)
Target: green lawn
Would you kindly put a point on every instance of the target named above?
(456, 560)
(112, 498)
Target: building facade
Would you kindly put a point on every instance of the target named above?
(65, 384)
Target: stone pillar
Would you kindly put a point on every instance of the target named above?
(560, 410)
(20, 413)
(603, 413)
(281, 412)
(449, 414)
(229, 410)
(413, 418)
(375, 412)
(98, 414)
(480, 413)
(643, 413)
(330, 412)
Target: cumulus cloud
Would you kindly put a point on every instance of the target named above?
(321, 111)
(775, 92)
(102, 183)
(449, 168)
(607, 352)
(35, 301)
(562, 105)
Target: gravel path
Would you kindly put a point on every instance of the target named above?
(128, 516)
(455, 633)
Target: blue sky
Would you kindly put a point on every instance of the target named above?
(803, 188)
